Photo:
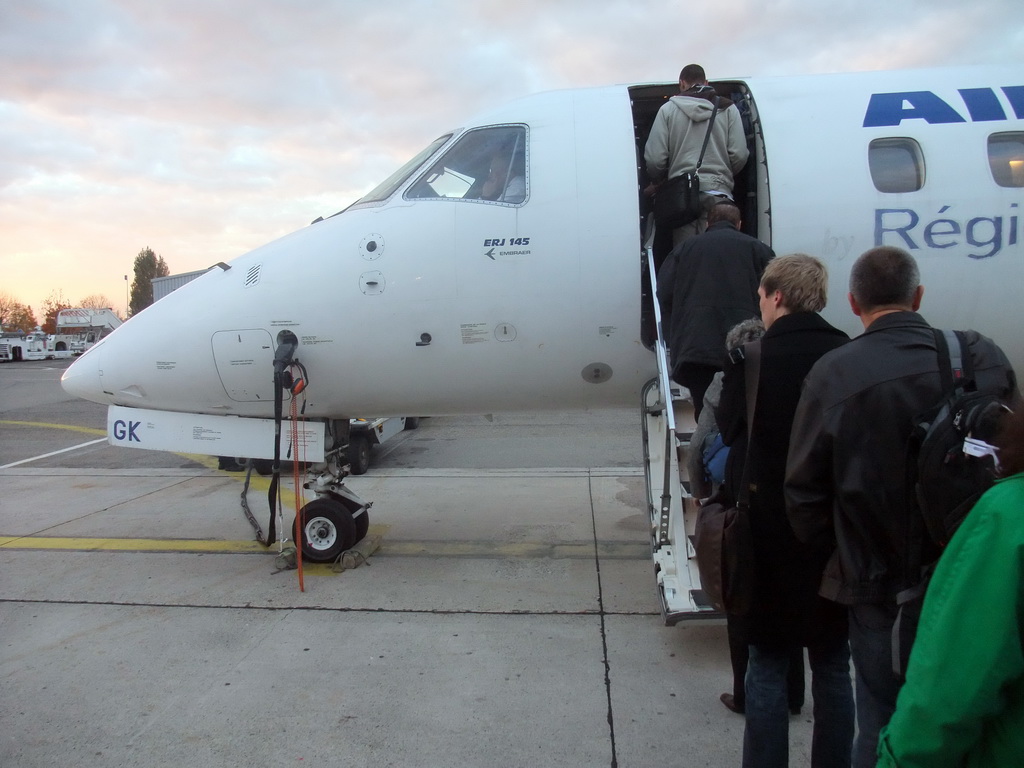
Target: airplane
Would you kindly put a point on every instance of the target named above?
(509, 266)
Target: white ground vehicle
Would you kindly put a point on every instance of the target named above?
(366, 433)
(29, 346)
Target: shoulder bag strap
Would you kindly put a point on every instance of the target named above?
(707, 135)
(751, 376)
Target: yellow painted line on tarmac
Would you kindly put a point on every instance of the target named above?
(129, 545)
(460, 549)
(257, 482)
(45, 425)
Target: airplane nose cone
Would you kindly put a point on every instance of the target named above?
(83, 378)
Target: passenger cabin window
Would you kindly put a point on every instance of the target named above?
(486, 164)
(1006, 158)
(897, 165)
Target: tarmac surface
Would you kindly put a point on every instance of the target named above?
(510, 617)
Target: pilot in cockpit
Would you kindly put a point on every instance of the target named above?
(506, 178)
(486, 164)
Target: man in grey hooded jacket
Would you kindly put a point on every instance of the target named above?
(673, 146)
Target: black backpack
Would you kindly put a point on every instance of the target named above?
(950, 464)
(949, 450)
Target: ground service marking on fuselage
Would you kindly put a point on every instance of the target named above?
(124, 431)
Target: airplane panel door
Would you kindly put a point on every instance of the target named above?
(238, 354)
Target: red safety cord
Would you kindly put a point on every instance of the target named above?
(297, 462)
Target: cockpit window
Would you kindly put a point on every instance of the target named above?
(386, 188)
(484, 164)
(1006, 158)
(897, 165)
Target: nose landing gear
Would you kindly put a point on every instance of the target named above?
(336, 520)
(328, 529)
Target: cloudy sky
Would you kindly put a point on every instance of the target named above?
(204, 128)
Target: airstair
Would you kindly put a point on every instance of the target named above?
(667, 423)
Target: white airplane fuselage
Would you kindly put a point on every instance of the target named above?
(440, 305)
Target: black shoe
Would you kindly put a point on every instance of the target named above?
(794, 710)
(730, 703)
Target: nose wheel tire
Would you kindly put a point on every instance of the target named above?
(362, 525)
(328, 529)
(263, 467)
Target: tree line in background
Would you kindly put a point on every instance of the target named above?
(17, 317)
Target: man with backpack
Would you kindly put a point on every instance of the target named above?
(849, 482)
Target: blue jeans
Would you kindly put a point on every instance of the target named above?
(766, 735)
(877, 684)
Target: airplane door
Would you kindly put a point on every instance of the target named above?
(751, 191)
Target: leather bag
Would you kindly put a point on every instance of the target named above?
(723, 539)
(677, 201)
(725, 555)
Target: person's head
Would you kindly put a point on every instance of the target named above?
(743, 333)
(724, 210)
(883, 280)
(691, 75)
(498, 172)
(1010, 442)
(794, 283)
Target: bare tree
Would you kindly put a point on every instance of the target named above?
(53, 304)
(7, 306)
(96, 301)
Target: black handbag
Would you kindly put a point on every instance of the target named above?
(723, 540)
(677, 201)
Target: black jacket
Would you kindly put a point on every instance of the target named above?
(707, 285)
(786, 609)
(846, 474)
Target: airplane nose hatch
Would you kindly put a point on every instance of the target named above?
(245, 364)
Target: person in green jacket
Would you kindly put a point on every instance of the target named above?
(963, 702)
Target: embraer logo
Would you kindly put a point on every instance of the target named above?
(494, 243)
(982, 105)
